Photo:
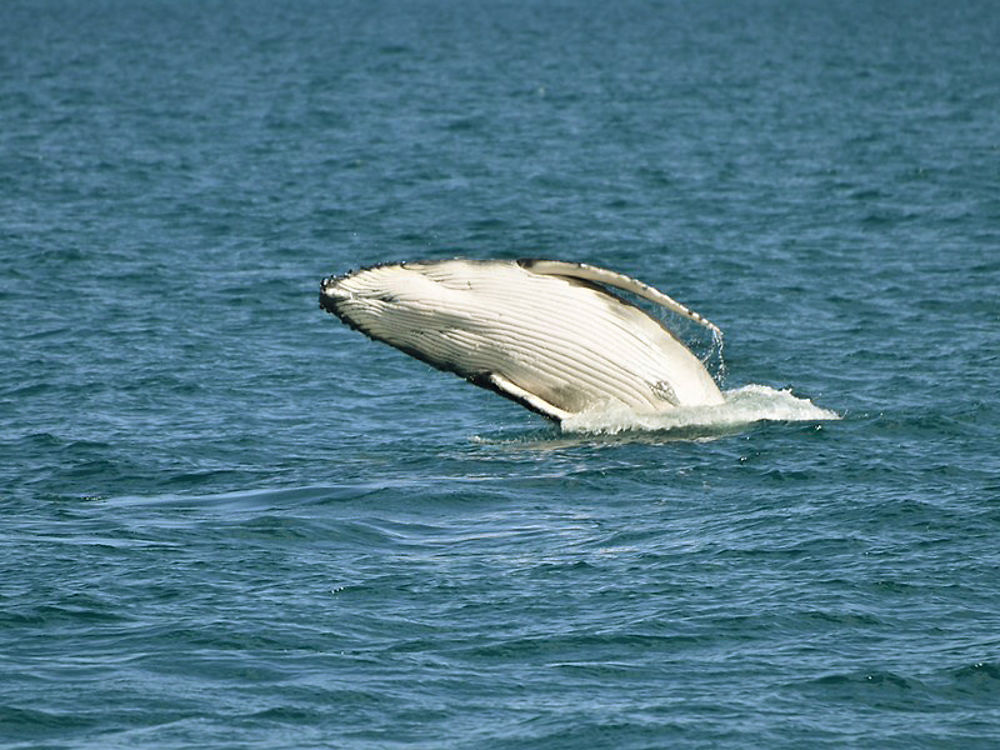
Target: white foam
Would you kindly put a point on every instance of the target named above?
(746, 405)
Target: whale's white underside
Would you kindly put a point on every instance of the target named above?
(546, 334)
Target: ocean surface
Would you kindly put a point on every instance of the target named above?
(228, 521)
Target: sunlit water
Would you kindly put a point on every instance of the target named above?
(229, 521)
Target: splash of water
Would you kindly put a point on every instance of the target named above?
(743, 406)
(715, 354)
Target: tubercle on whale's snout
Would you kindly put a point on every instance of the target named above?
(333, 304)
(335, 279)
(332, 286)
(330, 294)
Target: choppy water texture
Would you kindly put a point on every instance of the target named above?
(229, 521)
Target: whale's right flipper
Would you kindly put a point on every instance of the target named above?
(499, 384)
(587, 272)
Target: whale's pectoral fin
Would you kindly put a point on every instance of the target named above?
(499, 384)
(591, 273)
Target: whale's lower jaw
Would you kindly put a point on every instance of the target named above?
(545, 334)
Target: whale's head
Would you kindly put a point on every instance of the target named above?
(396, 303)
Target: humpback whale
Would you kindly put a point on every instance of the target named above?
(549, 335)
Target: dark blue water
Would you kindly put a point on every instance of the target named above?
(229, 521)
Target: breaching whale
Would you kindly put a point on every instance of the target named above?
(547, 334)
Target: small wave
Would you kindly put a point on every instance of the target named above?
(743, 406)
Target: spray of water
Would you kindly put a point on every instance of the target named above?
(743, 406)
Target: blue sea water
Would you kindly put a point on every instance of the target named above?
(228, 521)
